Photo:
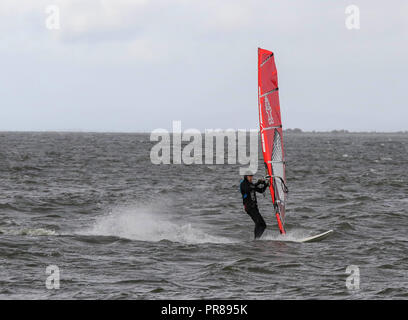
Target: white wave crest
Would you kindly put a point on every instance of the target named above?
(33, 232)
(146, 224)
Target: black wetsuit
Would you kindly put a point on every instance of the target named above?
(248, 191)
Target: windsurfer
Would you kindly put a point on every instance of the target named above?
(248, 191)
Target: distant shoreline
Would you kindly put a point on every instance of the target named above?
(341, 131)
(294, 131)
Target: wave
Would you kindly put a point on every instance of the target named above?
(147, 224)
(33, 232)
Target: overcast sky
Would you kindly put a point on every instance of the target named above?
(136, 65)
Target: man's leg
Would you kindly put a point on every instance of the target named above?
(260, 224)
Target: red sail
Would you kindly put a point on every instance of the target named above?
(271, 132)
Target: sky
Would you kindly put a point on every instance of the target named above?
(137, 65)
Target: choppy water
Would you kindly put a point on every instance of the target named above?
(118, 226)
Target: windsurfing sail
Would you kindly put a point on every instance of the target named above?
(271, 133)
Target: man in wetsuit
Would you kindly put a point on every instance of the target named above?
(248, 191)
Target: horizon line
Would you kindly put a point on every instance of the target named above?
(288, 130)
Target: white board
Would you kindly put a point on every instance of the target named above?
(317, 237)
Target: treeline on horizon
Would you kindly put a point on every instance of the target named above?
(289, 130)
(297, 130)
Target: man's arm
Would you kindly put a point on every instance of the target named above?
(263, 188)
